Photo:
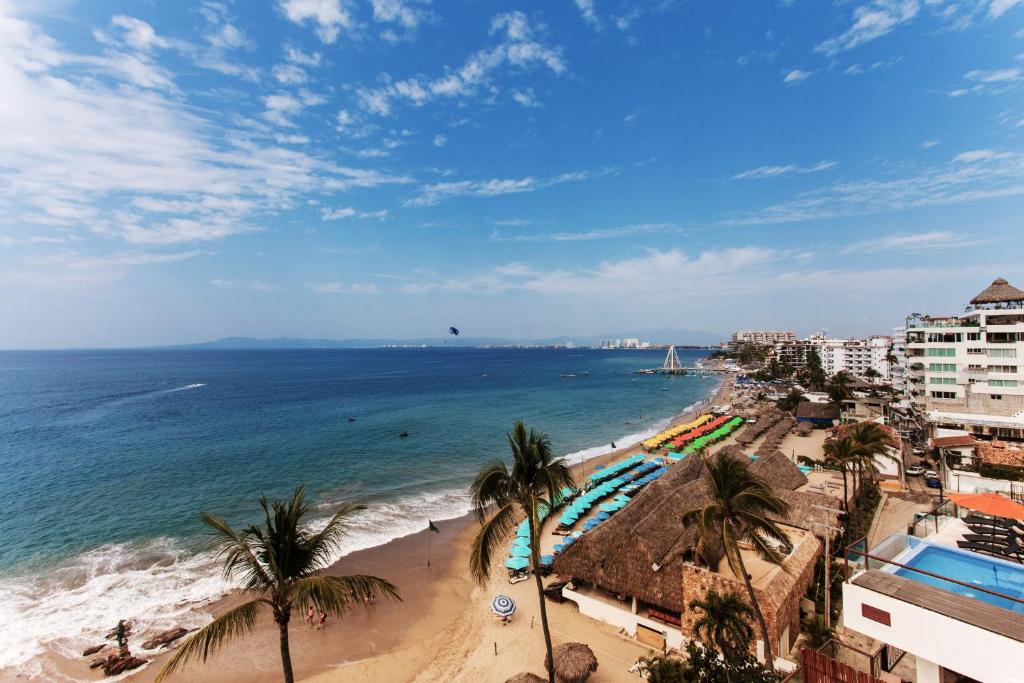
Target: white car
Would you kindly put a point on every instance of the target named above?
(915, 471)
(931, 474)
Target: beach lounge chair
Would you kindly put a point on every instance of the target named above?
(988, 521)
(997, 549)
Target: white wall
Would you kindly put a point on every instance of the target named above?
(623, 618)
(972, 482)
(955, 645)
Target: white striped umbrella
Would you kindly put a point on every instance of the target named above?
(503, 606)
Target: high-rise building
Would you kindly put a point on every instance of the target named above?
(864, 358)
(764, 337)
(898, 369)
(967, 371)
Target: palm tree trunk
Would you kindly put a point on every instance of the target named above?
(769, 657)
(846, 493)
(286, 655)
(549, 662)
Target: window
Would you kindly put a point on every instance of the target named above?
(996, 397)
(1000, 353)
(942, 367)
(943, 394)
(942, 380)
(1002, 382)
(945, 337)
(1002, 368)
(942, 352)
(974, 336)
(975, 352)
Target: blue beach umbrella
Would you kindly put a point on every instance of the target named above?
(523, 533)
(517, 563)
(521, 542)
(503, 606)
(546, 560)
(559, 547)
(519, 551)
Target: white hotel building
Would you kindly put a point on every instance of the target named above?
(967, 371)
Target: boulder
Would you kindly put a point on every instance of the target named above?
(161, 639)
(93, 650)
(121, 664)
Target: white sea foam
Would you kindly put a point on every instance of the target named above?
(159, 585)
(186, 387)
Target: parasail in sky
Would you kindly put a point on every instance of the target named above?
(454, 330)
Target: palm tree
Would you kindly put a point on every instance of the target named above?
(724, 623)
(736, 513)
(873, 440)
(278, 564)
(839, 387)
(534, 484)
(843, 452)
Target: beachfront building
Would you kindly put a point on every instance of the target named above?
(863, 358)
(638, 571)
(898, 368)
(935, 602)
(967, 371)
(762, 337)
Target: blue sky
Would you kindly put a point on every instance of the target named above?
(175, 172)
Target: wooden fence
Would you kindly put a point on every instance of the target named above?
(820, 668)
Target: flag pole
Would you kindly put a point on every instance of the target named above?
(428, 543)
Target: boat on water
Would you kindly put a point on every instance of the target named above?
(566, 375)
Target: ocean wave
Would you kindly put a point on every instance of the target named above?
(160, 584)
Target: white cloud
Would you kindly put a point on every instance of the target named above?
(1000, 7)
(289, 74)
(280, 107)
(928, 144)
(518, 48)
(586, 8)
(401, 12)
(430, 195)
(525, 97)
(788, 169)
(251, 285)
(796, 76)
(297, 56)
(343, 288)
(329, 214)
(328, 15)
(440, 140)
(138, 33)
(936, 240)
(995, 75)
(590, 235)
(871, 20)
(959, 92)
(172, 174)
(972, 176)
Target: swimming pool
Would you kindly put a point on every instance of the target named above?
(995, 575)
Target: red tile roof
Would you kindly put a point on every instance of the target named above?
(953, 441)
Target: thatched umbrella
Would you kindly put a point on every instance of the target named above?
(526, 677)
(574, 662)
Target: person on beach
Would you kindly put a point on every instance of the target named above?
(309, 615)
(322, 622)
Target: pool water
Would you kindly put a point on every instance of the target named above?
(971, 568)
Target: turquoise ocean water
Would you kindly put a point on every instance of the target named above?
(107, 456)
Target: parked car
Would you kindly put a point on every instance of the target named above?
(931, 474)
(918, 451)
(933, 483)
(915, 471)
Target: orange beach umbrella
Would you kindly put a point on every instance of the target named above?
(989, 504)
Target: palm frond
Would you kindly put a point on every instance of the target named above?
(235, 622)
(239, 557)
(337, 594)
(321, 546)
(492, 534)
(492, 486)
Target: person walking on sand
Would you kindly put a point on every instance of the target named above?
(322, 622)
(310, 614)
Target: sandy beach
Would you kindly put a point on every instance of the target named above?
(441, 631)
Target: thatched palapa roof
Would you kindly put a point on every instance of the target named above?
(574, 662)
(817, 411)
(779, 471)
(1000, 291)
(620, 554)
(526, 677)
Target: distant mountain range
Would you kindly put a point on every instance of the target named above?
(664, 336)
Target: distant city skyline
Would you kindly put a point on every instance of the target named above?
(178, 173)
